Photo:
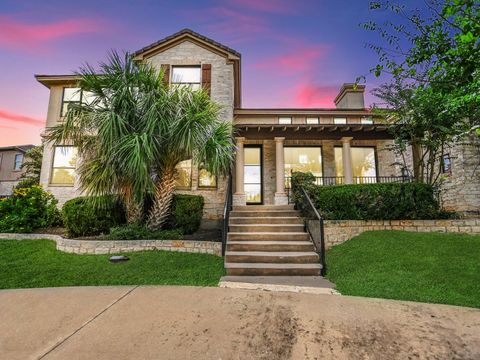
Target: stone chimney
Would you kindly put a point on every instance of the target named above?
(350, 97)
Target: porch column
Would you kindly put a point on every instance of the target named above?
(280, 194)
(239, 197)
(347, 160)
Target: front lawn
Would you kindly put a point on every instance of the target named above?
(428, 267)
(36, 263)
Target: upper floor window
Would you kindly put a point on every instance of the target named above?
(187, 75)
(18, 162)
(285, 120)
(71, 95)
(339, 120)
(366, 120)
(183, 178)
(446, 163)
(64, 163)
(312, 120)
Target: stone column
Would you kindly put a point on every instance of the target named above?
(239, 197)
(347, 160)
(280, 194)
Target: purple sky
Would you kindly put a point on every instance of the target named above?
(295, 53)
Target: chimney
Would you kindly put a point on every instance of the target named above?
(350, 97)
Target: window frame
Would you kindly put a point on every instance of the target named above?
(199, 67)
(374, 147)
(52, 168)
(284, 117)
(188, 187)
(15, 162)
(444, 169)
(203, 187)
(316, 119)
(307, 146)
(62, 115)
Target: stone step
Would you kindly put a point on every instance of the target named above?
(263, 213)
(266, 228)
(266, 220)
(271, 257)
(262, 207)
(274, 246)
(268, 236)
(272, 269)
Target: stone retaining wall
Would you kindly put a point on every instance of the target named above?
(119, 246)
(339, 231)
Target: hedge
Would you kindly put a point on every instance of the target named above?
(391, 201)
(82, 218)
(187, 212)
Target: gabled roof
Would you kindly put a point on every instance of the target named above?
(182, 35)
(21, 148)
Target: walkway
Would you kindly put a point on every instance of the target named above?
(213, 323)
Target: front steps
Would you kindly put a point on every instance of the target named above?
(266, 240)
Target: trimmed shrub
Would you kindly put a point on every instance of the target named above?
(140, 232)
(29, 208)
(187, 212)
(82, 217)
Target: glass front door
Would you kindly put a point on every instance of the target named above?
(253, 175)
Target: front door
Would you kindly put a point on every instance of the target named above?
(253, 174)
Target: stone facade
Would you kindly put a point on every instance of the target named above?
(122, 246)
(339, 231)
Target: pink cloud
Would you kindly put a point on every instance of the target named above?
(18, 34)
(300, 59)
(19, 118)
(311, 95)
(270, 6)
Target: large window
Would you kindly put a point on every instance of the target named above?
(71, 96)
(184, 174)
(18, 161)
(302, 159)
(206, 179)
(64, 162)
(363, 163)
(253, 174)
(187, 75)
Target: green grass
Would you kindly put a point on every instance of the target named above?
(36, 263)
(426, 267)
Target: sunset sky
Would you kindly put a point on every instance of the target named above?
(295, 53)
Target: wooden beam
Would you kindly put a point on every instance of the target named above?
(284, 129)
(332, 129)
(296, 129)
(258, 129)
(344, 128)
(308, 129)
(272, 128)
(357, 128)
(320, 128)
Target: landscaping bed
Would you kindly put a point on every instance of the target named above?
(36, 263)
(427, 267)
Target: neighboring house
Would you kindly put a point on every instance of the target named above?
(11, 160)
(345, 144)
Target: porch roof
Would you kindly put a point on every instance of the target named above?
(314, 131)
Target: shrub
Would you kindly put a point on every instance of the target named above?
(141, 232)
(27, 209)
(84, 216)
(26, 183)
(392, 201)
(187, 212)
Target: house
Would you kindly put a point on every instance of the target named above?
(345, 144)
(11, 160)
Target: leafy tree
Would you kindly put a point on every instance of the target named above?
(133, 129)
(33, 164)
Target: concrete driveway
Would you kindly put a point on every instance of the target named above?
(165, 322)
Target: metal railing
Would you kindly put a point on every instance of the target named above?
(313, 224)
(226, 214)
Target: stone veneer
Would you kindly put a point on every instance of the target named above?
(120, 246)
(339, 231)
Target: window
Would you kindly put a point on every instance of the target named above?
(312, 120)
(70, 96)
(18, 162)
(253, 174)
(363, 163)
(64, 162)
(339, 121)
(366, 120)
(187, 75)
(206, 179)
(184, 174)
(302, 159)
(446, 163)
(285, 120)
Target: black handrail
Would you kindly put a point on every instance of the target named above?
(226, 214)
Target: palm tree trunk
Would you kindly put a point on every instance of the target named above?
(162, 201)
(134, 212)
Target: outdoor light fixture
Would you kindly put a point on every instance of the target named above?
(119, 258)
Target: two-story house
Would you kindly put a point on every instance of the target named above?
(11, 160)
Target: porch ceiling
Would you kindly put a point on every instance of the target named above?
(314, 132)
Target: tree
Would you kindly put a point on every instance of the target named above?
(33, 164)
(133, 129)
(433, 97)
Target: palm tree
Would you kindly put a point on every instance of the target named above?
(133, 129)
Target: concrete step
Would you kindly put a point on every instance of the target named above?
(262, 207)
(262, 213)
(268, 236)
(274, 246)
(265, 227)
(269, 269)
(266, 220)
(271, 257)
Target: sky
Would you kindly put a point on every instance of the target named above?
(295, 53)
